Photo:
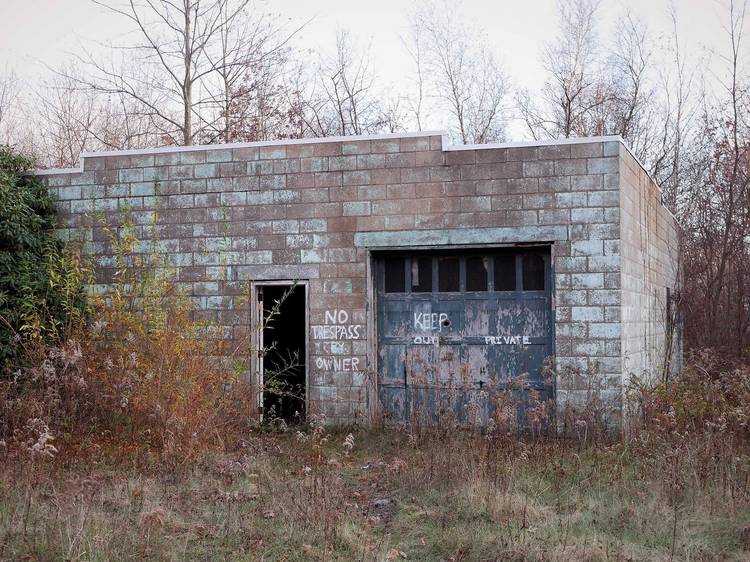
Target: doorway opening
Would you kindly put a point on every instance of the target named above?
(283, 351)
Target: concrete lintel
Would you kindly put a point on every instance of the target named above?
(278, 272)
(465, 236)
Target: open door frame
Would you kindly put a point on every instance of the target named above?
(256, 337)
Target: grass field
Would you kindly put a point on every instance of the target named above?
(382, 495)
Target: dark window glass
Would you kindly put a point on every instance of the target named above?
(476, 273)
(505, 273)
(533, 273)
(448, 275)
(395, 281)
(421, 275)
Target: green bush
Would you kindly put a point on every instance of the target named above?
(41, 282)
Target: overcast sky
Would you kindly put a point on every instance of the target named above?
(35, 33)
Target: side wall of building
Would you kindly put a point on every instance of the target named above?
(650, 273)
(226, 215)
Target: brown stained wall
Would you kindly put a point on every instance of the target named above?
(314, 210)
(650, 265)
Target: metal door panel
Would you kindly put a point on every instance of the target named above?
(534, 319)
(392, 361)
(478, 311)
(454, 354)
(394, 402)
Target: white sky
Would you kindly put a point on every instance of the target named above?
(35, 33)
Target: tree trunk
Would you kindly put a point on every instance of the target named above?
(187, 85)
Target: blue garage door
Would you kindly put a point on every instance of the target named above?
(458, 331)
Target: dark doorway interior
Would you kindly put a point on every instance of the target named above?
(284, 360)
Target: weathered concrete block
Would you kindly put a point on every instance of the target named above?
(587, 248)
(357, 208)
(605, 330)
(205, 170)
(316, 211)
(588, 313)
(221, 155)
(587, 215)
(573, 167)
(193, 157)
(587, 280)
(602, 165)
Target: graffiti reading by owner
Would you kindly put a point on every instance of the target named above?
(335, 330)
(344, 364)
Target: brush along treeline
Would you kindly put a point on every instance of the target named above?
(136, 376)
(129, 373)
(135, 371)
(118, 422)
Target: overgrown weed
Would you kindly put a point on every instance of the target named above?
(131, 438)
(314, 497)
(137, 379)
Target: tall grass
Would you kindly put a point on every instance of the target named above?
(131, 438)
(319, 493)
(137, 378)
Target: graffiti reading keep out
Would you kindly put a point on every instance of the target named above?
(429, 322)
(336, 329)
(432, 322)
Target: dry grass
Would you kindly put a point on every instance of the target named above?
(306, 496)
(126, 439)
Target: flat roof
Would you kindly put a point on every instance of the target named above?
(446, 147)
(322, 140)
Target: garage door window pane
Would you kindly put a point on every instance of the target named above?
(476, 273)
(505, 273)
(448, 275)
(533, 273)
(421, 275)
(394, 275)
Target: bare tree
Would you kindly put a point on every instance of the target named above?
(469, 82)
(121, 124)
(341, 98)
(393, 115)
(632, 93)
(250, 90)
(10, 89)
(16, 128)
(571, 91)
(718, 225)
(261, 107)
(174, 59)
(414, 45)
(64, 117)
(594, 89)
(676, 109)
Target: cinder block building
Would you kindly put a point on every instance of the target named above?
(419, 272)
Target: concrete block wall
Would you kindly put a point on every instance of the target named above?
(650, 267)
(314, 209)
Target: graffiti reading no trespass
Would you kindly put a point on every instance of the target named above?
(335, 330)
(336, 327)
